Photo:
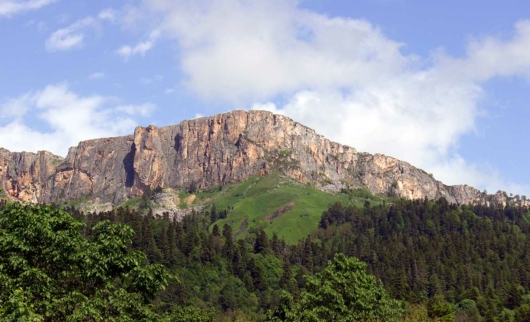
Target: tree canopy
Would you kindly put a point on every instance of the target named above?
(50, 272)
(343, 291)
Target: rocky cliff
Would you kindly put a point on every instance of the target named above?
(211, 151)
(26, 176)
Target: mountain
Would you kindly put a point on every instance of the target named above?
(212, 151)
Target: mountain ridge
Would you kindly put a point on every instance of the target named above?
(210, 151)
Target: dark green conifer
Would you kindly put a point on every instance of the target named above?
(228, 247)
(261, 245)
(215, 230)
(213, 214)
(287, 274)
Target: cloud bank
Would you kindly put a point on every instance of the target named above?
(344, 77)
(68, 117)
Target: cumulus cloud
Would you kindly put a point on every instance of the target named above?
(10, 8)
(344, 77)
(67, 117)
(237, 50)
(70, 37)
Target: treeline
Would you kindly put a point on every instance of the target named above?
(477, 258)
(56, 268)
(236, 278)
(471, 263)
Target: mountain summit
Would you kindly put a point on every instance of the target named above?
(212, 151)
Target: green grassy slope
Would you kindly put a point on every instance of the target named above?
(254, 205)
(274, 203)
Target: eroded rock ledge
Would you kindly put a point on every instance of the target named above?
(214, 150)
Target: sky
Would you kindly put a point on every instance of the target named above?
(443, 85)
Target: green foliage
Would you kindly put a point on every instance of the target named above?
(261, 245)
(343, 291)
(131, 203)
(191, 314)
(439, 308)
(420, 249)
(362, 193)
(50, 272)
(258, 198)
(463, 263)
(416, 313)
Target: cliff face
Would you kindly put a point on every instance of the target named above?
(99, 168)
(211, 151)
(26, 176)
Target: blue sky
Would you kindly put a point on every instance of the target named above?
(442, 85)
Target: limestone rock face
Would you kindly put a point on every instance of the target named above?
(27, 176)
(211, 151)
(100, 168)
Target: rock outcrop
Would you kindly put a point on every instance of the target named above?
(26, 176)
(211, 151)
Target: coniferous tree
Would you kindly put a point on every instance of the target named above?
(172, 244)
(228, 247)
(215, 230)
(307, 256)
(213, 214)
(163, 245)
(179, 235)
(261, 245)
(148, 244)
(275, 244)
(258, 278)
(287, 273)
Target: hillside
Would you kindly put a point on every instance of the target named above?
(213, 151)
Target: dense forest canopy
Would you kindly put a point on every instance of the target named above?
(415, 260)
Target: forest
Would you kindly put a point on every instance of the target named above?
(402, 260)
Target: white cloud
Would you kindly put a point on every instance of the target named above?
(271, 107)
(97, 75)
(237, 50)
(108, 14)
(16, 107)
(9, 8)
(169, 91)
(70, 37)
(144, 109)
(69, 118)
(139, 49)
(494, 56)
(343, 77)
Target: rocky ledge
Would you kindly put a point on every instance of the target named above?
(212, 151)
